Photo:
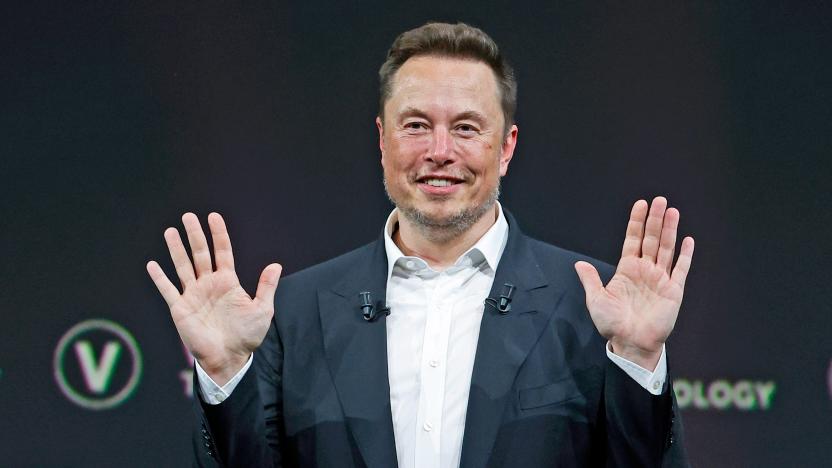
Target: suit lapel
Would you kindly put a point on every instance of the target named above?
(504, 343)
(356, 352)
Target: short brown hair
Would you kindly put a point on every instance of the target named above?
(450, 40)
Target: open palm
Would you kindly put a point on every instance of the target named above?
(217, 320)
(638, 308)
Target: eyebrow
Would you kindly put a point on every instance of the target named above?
(411, 111)
(470, 114)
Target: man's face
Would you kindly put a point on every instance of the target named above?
(443, 141)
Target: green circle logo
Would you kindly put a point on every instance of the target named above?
(90, 365)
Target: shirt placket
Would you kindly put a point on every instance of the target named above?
(432, 372)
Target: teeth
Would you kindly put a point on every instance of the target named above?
(438, 182)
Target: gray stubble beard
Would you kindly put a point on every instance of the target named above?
(444, 230)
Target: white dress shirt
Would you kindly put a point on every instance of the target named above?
(432, 335)
(431, 343)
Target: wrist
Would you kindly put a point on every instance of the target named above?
(645, 358)
(221, 370)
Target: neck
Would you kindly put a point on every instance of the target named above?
(439, 249)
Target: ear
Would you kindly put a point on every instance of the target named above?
(507, 149)
(380, 127)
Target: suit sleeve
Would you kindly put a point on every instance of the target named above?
(246, 428)
(641, 429)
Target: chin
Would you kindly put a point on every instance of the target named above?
(441, 216)
(453, 221)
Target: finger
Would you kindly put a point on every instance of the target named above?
(680, 271)
(223, 255)
(198, 243)
(653, 229)
(590, 280)
(180, 258)
(667, 245)
(635, 229)
(168, 291)
(267, 285)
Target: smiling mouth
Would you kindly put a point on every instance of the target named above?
(439, 181)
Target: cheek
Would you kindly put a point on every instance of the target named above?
(402, 153)
(481, 155)
(413, 145)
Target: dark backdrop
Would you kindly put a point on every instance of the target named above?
(119, 116)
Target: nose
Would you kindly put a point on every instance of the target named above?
(441, 151)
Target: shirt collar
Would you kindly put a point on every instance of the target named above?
(490, 246)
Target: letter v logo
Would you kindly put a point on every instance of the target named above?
(97, 364)
(97, 375)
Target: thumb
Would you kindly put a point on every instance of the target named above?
(267, 284)
(590, 279)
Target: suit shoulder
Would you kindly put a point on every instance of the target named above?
(329, 271)
(552, 257)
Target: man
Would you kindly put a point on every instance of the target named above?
(488, 356)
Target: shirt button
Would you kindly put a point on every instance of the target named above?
(410, 264)
(434, 363)
(656, 385)
(427, 427)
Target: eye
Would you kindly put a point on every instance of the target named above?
(415, 126)
(467, 129)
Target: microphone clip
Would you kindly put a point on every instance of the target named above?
(502, 304)
(370, 311)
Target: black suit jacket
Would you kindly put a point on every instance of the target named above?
(543, 392)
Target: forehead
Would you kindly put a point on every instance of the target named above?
(442, 83)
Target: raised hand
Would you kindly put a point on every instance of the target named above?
(637, 309)
(217, 320)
